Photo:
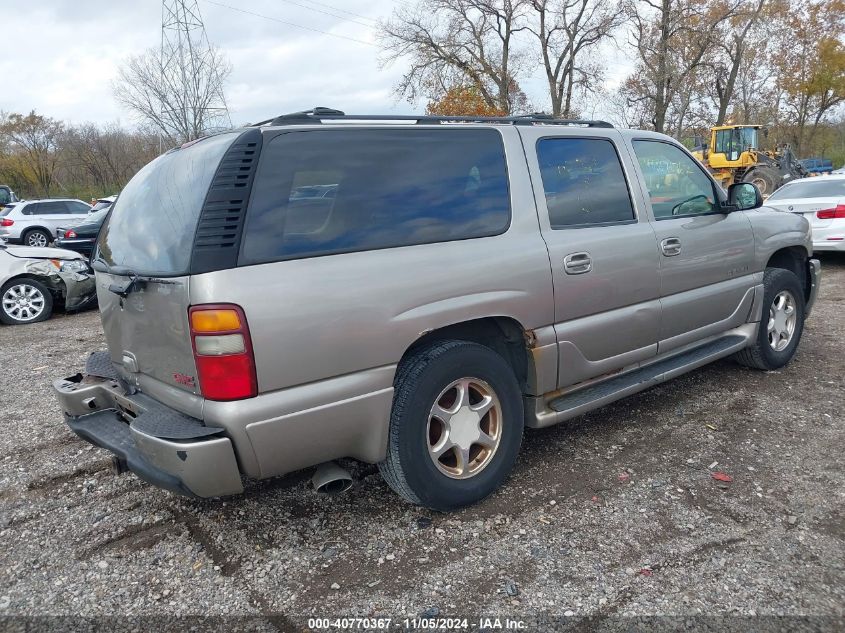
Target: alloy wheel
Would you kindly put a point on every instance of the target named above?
(36, 239)
(782, 319)
(464, 428)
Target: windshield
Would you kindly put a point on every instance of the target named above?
(811, 188)
(152, 224)
(5, 195)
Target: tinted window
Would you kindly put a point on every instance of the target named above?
(676, 184)
(55, 207)
(33, 209)
(811, 188)
(5, 195)
(78, 207)
(335, 191)
(152, 225)
(583, 182)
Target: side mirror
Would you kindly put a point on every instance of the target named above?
(744, 195)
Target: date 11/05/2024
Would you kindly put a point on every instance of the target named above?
(416, 624)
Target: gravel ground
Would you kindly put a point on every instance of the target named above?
(613, 514)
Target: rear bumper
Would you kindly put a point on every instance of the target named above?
(158, 444)
(814, 267)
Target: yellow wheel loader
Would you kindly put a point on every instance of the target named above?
(733, 154)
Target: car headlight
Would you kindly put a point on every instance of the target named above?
(72, 265)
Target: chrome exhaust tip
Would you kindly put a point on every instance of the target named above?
(331, 479)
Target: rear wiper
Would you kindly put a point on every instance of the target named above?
(135, 282)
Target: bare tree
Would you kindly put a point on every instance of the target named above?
(178, 101)
(106, 157)
(730, 53)
(566, 31)
(35, 141)
(671, 39)
(458, 43)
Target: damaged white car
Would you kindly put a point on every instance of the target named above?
(34, 281)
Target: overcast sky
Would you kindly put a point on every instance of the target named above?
(60, 56)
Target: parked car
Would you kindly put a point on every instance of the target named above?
(817, 165)
(822, 202)
(34, 222)
(81, 237)
(34, 281)
(470, 278)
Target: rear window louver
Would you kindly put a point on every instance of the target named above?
(221, 220)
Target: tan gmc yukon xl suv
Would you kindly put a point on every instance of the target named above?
(413, 292)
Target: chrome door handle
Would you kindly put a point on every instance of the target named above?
(671, 246)
(577, 263)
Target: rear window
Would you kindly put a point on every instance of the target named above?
(6, 210)
(337, 191)
(152, 224)
(811, 188)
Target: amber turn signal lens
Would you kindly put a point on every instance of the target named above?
(215, 321)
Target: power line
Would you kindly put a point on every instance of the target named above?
(299, 26)
(334, 15)
(333, 8)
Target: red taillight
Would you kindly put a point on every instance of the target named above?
(837, 212)
(6, 222)
(225, 362)
(70, 233)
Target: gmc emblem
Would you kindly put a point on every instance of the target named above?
(182, 379)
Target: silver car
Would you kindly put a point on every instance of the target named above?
(467, 278)
(34, 222)
(34, 281)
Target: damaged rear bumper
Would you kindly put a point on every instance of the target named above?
(158, 444)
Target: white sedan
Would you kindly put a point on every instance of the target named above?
(822, 201)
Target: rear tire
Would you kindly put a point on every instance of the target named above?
(766, 179)
(36, 237)
(458, 460)
(24, 301)
(777, 335)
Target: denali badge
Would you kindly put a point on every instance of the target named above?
(182, 379)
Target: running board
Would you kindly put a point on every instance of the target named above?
(578, 402)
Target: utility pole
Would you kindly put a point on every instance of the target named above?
(187, 62)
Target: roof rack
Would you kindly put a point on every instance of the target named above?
(319, 114)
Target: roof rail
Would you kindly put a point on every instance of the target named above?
(319, 114)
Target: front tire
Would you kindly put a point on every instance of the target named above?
(782, 324)
(25, 301)
(456, 425)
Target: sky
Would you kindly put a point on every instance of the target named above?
(61, 56)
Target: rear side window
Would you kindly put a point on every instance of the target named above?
(57, 207)
(153, 222)
(337, 191)
(77, 207)
(583, 182)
